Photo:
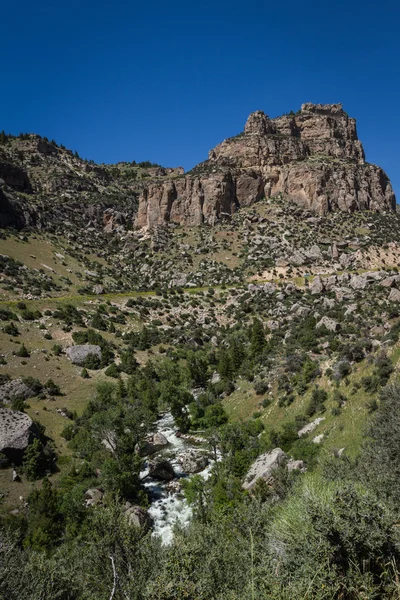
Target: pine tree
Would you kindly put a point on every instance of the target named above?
(257, 338)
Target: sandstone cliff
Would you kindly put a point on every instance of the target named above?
(314, 158)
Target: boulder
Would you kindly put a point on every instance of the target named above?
(137, 516)
(13, 389)
(317, 286)
(78, 354)
(161, 469)
(94, 496)
(193, 462)
(394, 295)
(358, 282)
(263, 467)
(330, 324)
(388, 282)
(160, 440)
(310, 426)
(17, 431)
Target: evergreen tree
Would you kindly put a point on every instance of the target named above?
(257, 338)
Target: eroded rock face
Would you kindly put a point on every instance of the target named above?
(17, 431)
(314, 158)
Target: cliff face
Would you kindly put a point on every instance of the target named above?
(313, 158)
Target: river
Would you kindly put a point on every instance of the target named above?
(168, 506)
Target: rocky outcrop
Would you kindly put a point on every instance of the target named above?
(79, 354)
(17, 431)
(16, 388)
(264, 466)
(314, 158)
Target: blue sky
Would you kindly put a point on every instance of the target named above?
(167, 81)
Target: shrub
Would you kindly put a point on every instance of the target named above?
(11, 329)
(112, 371)
(22, 352)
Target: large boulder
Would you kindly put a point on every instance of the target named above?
(94, 496)
(161, 469)
(193, 461)
(151, 445)
(17, 431)
(78, 354)
(137, 516)
(263, 467)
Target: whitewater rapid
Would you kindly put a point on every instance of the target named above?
(169, 508)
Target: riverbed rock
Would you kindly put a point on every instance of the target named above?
(151, 445)
(193, 461)
(78, 354)
(17, 431)
(161, 469)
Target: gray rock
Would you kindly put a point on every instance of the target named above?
(15, 388)
(314, 253)
(98, 289)
(78, 354)
(281, 262)
(317, 286)
(297, 259)
(263, 467)
(17, 431)
(94, 496)
(358, 282)
(394, 295)
(161, 469)
(160, 440)
(388, 282)
(330, 324)
(137, 516)
(193, 462)
(310, 426)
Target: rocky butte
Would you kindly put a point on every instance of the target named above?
(313, 157)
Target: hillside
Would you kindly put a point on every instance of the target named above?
(216, 349)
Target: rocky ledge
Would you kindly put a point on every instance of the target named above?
(313, 157)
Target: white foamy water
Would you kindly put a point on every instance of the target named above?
(167, 507)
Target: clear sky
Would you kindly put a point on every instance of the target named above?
(166, 81)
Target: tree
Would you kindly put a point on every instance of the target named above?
(257, 338)
(38, 459)
(44, 521)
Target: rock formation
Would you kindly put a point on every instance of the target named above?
(78, 354)
(17, 431)
(314, 158)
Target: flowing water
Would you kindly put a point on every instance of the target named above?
(168, 507)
